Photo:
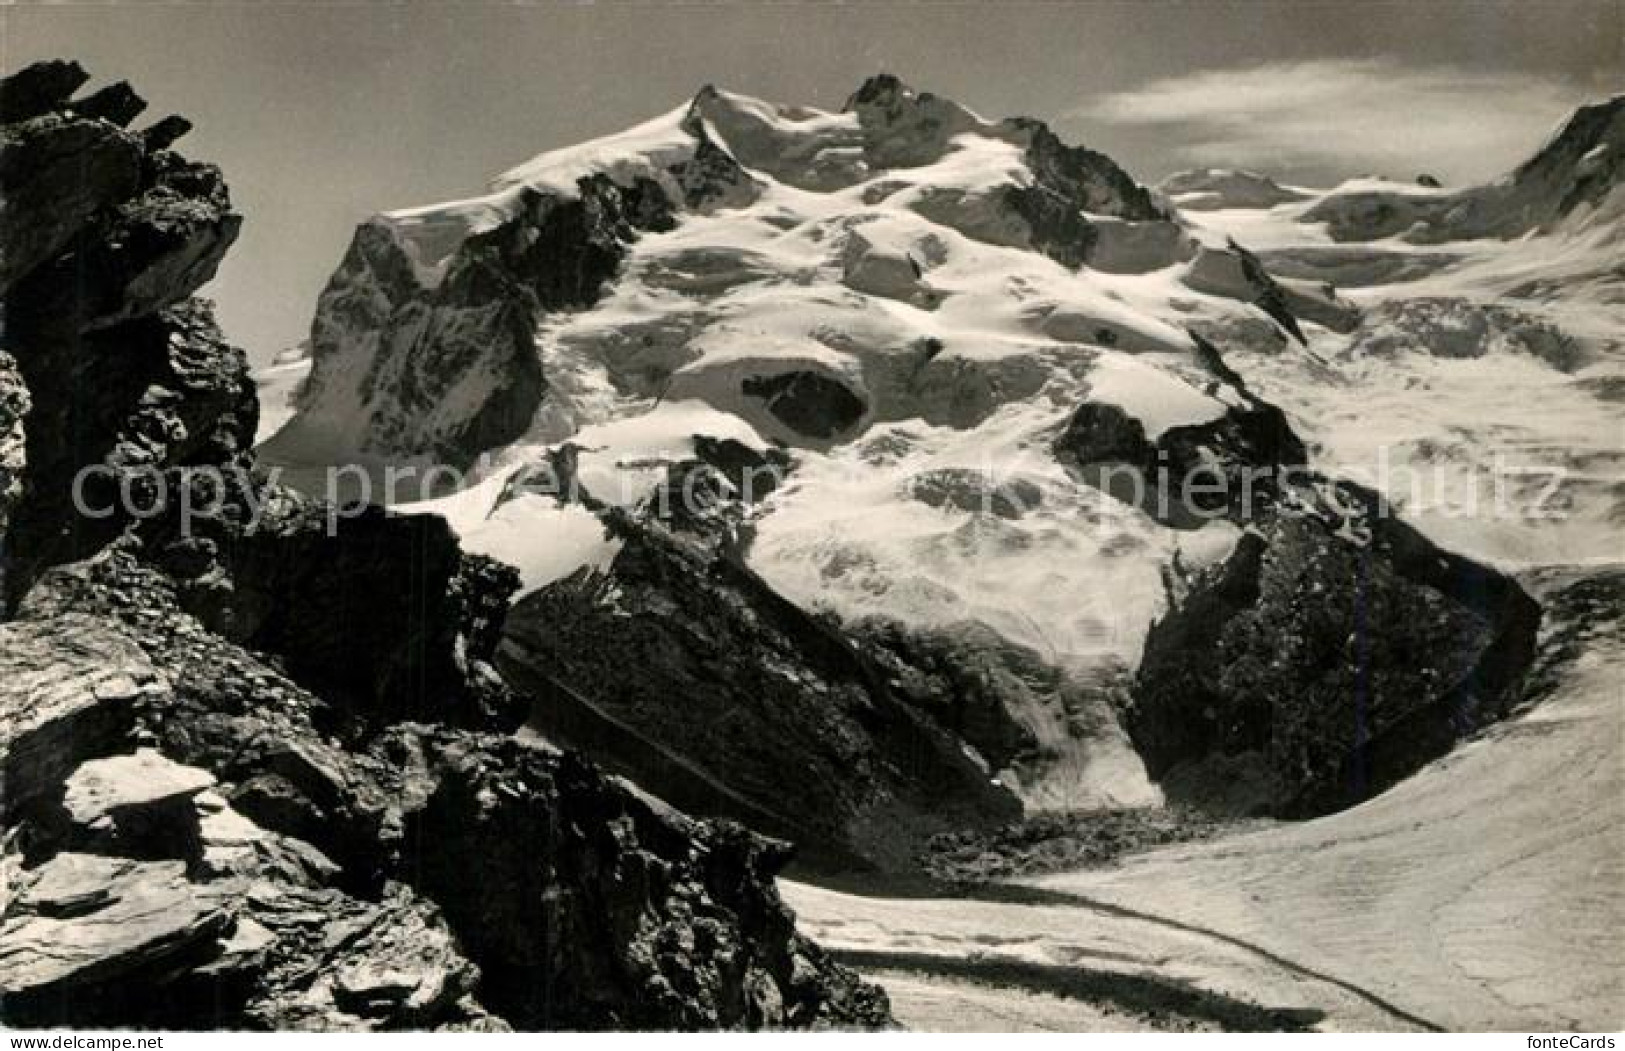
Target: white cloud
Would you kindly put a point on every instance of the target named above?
(1348, 116)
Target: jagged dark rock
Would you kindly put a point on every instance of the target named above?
(651, 920)
(37, 89)
(1070, 180)
(809, 403)
(326, 594)
(150, 252)
(105, 244)
(1191, 474)
(56, 173)
(131, 401)
(968, 679)
(1333, 653)
(1269, 295)
(117, 103)
(782, 723)
(617, 912)
(164, 133)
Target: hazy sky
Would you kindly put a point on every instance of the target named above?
(322, 113)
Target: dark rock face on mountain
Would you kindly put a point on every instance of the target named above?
(1069, 180)
(1190, 474)
(965, 678)
(215, 812)
(439, 327)
(1335, 650)
(687, 672)
(1333, 653)
(424, 339)
(808, 403)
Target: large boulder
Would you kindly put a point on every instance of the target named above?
(93, 939)
(71, 689)
(85, 924)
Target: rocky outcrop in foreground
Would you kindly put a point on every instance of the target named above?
(211, 856)
(257, 773)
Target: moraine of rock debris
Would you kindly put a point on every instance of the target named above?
(200, 835)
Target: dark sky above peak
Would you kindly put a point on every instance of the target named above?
(322, 113)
